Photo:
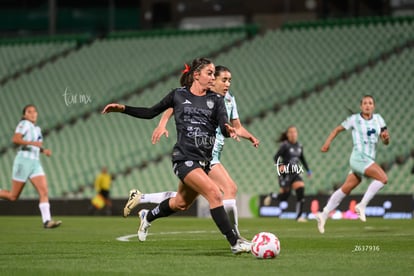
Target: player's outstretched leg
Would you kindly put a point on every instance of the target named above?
(133, 201)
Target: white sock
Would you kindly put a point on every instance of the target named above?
(156, 197)
(45, 211)
(334, 201)
(231, 209)
(373, 188)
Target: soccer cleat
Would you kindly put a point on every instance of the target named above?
(52, 224)
(360, 210)
(267, 200)
(241, 246)
(302, 219)
(144, 225)
(243, 239)
(133, 201)
(321, 219)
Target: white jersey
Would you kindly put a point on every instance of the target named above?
(232, 113)
(30, 133)
(365, 133)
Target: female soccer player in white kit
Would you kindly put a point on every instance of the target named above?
(367, 127)
(27, 164)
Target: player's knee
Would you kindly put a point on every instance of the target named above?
(181, 207)
(215, 197)
(384, 179)
(232, 191)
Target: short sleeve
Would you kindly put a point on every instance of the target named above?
(348, 122)
(234, 112)
(381, 121)
(22, 127)
(40, 136)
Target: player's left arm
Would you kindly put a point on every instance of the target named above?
(244, 133)
(305, 164)
(45, 151)
(385, 136)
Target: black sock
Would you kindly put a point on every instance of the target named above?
(223, 223)
(283, 196)
(300, 195)
(161, 210)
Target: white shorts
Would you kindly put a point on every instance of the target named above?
(216, 154)
(25, 168)
(360, 162)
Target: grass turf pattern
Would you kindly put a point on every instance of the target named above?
(193, 246)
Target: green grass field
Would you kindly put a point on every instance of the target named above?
(191, 246)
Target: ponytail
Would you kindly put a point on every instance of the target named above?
(187, 77)
(283, 136)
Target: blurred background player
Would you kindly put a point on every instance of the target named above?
(27, 165)
(287, 161)
(366, 127)
(218, 172)
(102, 186)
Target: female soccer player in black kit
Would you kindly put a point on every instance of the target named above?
(287, 160)
(197, 113)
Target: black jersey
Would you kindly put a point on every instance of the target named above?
(196, 120)
(290, 154)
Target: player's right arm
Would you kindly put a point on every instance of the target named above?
(18, 140)
(142, 112)
(331, 137)
(161, 129)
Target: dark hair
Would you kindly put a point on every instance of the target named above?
(365, 96)
(25, 108)
(283, 135)
(219, 69)
(187, 78)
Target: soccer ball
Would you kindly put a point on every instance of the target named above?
(265, 246)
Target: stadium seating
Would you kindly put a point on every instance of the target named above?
(276, 68)
(16, 57)
(101, 72)
(318, 114)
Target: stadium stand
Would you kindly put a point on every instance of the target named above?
(100, 72)
(307, 76)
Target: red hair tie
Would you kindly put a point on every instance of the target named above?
(187, 68)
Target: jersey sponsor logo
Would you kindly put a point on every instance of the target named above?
(210, 104)
(187, 102)
(371, 131)
(296, 151)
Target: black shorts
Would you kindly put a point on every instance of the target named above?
(104, 193)
(286, 180)
(182, 168)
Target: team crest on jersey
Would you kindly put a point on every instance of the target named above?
(189, 163)
(210, 104)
